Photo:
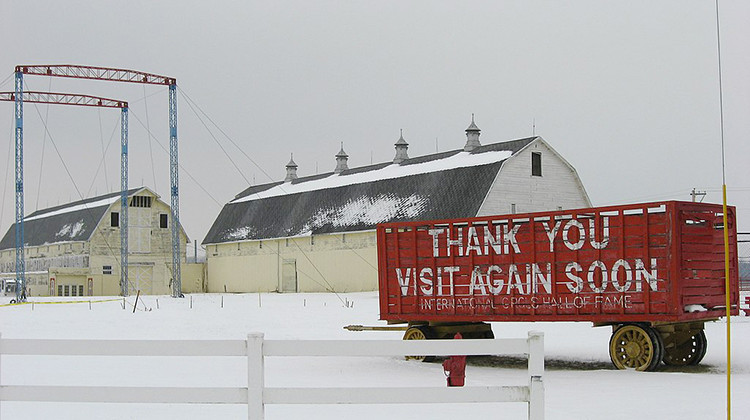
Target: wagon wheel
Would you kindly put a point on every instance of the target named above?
(420, 332)
(635, 347)
(688, 352)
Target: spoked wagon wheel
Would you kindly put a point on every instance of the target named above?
(635, 347)
(420, 332)
(685, 352)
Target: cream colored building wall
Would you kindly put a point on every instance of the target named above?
(339, 262)
(193, 278)
(558, 187)
(103, 249)
(40, 259)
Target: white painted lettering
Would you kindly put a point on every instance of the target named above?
(628, 275)
(435, 233)
(605, 233)
(425, 278)
(492, 241)
(581, 235)
(509, 237)
(592, 275)
(538, 277)
(495, 283)
(514, 280)
(403, 280)
(472, 241)
(455, 242)
(576, 282)
(551, 234)
(477, 282)
(641, 273)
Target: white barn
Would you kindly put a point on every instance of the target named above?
(317, 233)
(74, 249)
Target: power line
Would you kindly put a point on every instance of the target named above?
(182, 168)
(190, 104)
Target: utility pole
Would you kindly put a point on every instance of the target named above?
(695, 194)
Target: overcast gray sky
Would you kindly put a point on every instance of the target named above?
(626, 91)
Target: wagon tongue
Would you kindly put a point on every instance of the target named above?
(374, 328)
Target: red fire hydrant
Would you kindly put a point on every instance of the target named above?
(455, 368)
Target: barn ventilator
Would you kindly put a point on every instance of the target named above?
(113, 75)
(62, 99)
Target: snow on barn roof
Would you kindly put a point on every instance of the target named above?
(442, 185)
(69, 222)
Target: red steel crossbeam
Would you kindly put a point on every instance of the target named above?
(64, 99)
(96, 73)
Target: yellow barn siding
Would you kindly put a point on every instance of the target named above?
(84, 260)
(242, 274)
(339, 262)
(193, 278)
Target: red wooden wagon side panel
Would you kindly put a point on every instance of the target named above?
(635, 263)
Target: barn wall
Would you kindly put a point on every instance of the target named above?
(318, 263)
(193, 278)
(84, 260)
(558, 187)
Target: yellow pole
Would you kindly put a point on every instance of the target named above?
(726, 226)
(728, 304)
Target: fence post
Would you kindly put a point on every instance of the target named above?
(536, 370)
(255, 381)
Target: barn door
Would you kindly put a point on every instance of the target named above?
(289, 275)
(139, 230)
(140, 277)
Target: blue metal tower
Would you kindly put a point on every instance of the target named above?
(114, 75)
(174, 189)
(20, 260)
(124, 201)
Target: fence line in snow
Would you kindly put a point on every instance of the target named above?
(255, 395)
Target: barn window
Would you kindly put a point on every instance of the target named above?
(107, 269)
(536, 164)
(163, 221)
(114, 219)
(140, 201)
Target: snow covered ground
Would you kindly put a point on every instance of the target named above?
(579, 380)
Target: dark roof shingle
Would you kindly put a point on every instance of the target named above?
(69, 222)
(441, 194)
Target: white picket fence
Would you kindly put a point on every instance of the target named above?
(256, 394)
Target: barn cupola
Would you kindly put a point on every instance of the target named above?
(341, 160)
(401, 148)
(472, 136)
(291, 170)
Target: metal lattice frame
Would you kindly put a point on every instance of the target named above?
(175, 196)
(20, 257)
(124, 201)
(116, 75)
(64, 99)
(96, 73)
(19, 97)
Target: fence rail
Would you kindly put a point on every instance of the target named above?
(255, 395)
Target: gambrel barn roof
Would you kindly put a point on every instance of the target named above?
(69, 222)
(443, 185)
